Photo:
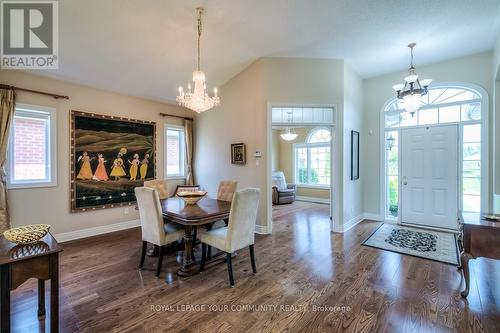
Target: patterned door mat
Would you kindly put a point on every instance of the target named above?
(422, 243)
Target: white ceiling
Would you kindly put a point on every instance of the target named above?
(147, 48)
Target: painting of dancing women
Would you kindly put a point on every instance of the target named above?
(110, 156)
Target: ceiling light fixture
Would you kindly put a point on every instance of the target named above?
(198, 100)
(413, 89)
(289, 135)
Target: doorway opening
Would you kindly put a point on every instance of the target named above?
(300, 171)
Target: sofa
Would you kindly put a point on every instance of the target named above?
(283, 193)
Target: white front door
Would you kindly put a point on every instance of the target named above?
(429, 169)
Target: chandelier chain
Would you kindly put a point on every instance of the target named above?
(200, 27)
(411, 46)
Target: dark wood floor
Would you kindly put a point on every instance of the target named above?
(361, 289)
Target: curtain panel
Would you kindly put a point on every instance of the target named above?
(7, 107)
(188, 132)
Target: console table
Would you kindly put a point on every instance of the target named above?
(18, 263)
(481, 238)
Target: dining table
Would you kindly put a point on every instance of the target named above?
(204, 213)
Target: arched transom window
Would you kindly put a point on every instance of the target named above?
(319, 135)
(442, 105)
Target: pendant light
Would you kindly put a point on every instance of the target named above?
(413, 89)
(289, 135)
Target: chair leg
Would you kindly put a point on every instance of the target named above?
(252, 258)
(203, 256)
(230, 269)
(160, 260)
(143, 253)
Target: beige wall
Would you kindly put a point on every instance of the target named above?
(239, 118)
(496, 124)
(242, 117)
(475, 69)
(352, 198)
(286, 163)
(51, 205)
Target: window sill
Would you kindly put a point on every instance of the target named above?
(317, 187)
(176, 177)
(21, 186)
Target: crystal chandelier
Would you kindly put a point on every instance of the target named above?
(289, 135)
(198, 100)
(413, 89)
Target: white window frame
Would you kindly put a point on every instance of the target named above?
(51, 149)
(484, 122)
(310, 145)
(182, 149)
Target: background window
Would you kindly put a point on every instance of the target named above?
(31, 154)
(471, 177)
(175, 152)
(313, 159)
(392, 173)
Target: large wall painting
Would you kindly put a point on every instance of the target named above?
(110, 156)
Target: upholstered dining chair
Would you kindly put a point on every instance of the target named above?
(240, 230)
(159, 185)
(225, 193)
(226, 190)
(154, 230)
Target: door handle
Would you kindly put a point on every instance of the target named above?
(405, 183)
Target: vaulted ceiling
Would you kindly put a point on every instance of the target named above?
(147, 48)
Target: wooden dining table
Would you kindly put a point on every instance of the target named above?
(203, 214)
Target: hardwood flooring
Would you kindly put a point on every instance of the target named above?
(318, 281)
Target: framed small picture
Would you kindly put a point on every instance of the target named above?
(238, 153)
(354, 155)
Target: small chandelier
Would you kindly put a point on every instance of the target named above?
(413, 89)
(289, 135)
(198, 100)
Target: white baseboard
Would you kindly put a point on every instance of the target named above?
(354, 221)
(373, 217)
(348, 224)
(312, 199)
(83, 233)
(262, 229)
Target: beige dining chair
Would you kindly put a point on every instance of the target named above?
(159, 185)
(154, 230)
(226, 190)
(240, 230)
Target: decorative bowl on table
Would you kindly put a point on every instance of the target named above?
(26, 234)
(191, 197)
(495, 218)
